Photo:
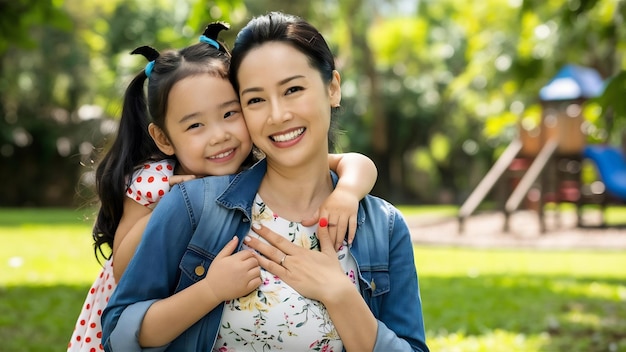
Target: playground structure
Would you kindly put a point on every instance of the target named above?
(610, 163)
(543, 164)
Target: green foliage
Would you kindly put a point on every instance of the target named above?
(18, 17)
(614, 106)
(59, 96)
(413, 75)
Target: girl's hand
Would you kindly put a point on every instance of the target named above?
(233, 275)
(339, 210)
(176, 179)
(315, 275)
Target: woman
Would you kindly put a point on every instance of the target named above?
(362, 298)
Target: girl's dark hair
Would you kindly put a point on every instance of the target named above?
(133, 145)
(292, 30)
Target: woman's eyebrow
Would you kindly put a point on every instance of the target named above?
(286, 80)
(280, 83)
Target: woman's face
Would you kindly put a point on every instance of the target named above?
(286, 104)
(205, 127)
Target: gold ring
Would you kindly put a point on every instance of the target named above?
(283, 259)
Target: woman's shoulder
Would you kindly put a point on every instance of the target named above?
(380, 212)
(380, 206)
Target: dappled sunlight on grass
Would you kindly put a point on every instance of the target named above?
(473, 299)
(522, 300)
(443, 261)
(427, 210)
(54, 254)
(491, 341)
(587, 319)
(47, 265)
(591, 289)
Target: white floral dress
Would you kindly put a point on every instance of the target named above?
(275, 317)
(147, 186)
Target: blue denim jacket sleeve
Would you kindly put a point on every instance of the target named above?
(168, 231)
(396, 303)
(124, 336)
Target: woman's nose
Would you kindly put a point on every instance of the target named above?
(279, 113)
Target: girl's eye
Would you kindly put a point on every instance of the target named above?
(230, 114)
(192, 126)
(291, 90)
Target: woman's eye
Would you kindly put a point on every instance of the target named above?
(254, 101)
(291, 90)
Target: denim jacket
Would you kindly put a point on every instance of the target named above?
(192, 223)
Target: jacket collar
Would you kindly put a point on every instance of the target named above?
(245, 185)
(243, 188)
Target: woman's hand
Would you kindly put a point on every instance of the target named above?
(339, 210)
(315, 275)
(233, 275)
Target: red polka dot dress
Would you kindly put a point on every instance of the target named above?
(147, 187)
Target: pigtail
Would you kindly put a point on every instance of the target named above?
(210, 34)
(132, 146)
(150, 53)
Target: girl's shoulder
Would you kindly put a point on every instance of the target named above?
(150, 181)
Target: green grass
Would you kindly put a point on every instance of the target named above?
(428, 210)
(474, 300)
(614, 215)
(46, 267)
(523, 300)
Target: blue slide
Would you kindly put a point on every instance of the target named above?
(611, 165)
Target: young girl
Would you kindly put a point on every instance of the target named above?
(197, 129)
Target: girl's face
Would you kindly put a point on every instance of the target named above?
(205, 127)
(286, 104)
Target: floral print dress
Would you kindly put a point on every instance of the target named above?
(147, 186)
(275, 317)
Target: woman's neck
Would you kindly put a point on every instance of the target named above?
(296, 193)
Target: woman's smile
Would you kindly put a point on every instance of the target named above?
(289, 137)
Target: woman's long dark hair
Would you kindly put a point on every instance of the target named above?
(133, 145)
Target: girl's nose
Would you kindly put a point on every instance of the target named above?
(219, 134)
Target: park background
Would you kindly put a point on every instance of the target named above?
(433, 92)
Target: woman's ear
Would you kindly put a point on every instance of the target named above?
(335, 90)
(161, 140)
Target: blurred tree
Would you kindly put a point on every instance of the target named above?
(64, 69)
(18, 17)
(33, 127)
(432, 90)
(458, 77)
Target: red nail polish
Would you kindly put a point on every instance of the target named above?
(323, 222)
